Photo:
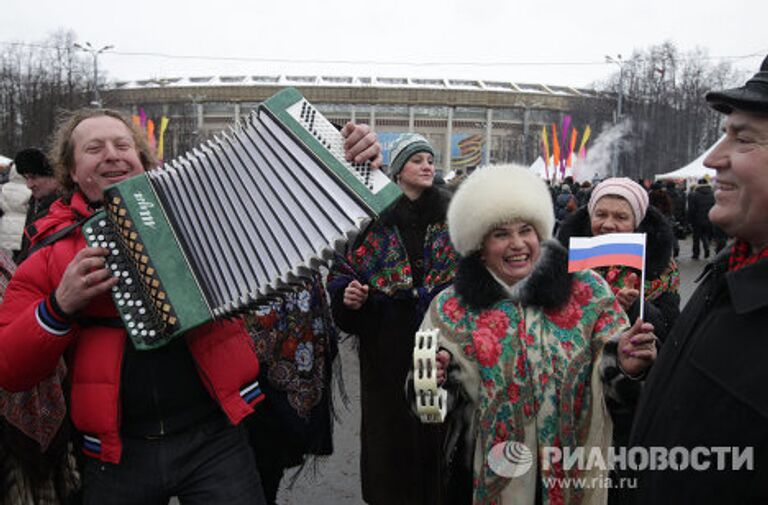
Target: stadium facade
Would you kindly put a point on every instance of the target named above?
(469, 122)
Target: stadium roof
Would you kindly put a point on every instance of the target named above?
(355, 82)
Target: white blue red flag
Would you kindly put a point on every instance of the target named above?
(605, 250)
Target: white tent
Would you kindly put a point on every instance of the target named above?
(693, 170)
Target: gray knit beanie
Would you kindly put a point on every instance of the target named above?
(406, 146)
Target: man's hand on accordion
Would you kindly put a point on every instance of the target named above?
(86, 277)
(361, 144)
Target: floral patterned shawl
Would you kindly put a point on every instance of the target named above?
(533, 376)
(381, 261)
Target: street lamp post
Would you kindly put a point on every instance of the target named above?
(88, 48)
(615, 151)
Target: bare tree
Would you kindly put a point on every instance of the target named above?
(664, 96)
(37, 81)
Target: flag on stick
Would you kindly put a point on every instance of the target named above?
(605, 250)
(626, 249)
(161, 138)
(565, 127)
(545, 150)
(584, 138)
(555, 151)
(545, 145)
(571, 148)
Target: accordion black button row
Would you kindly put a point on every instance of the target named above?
(141, 320)
(363, 170)
(307, 115)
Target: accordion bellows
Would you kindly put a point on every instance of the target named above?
(235, 222)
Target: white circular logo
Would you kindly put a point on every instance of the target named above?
(510, 459)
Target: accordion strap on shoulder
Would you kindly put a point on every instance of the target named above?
(50, 239)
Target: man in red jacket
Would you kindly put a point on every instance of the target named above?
(154, 423)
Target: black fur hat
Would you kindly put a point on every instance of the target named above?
(32, 161)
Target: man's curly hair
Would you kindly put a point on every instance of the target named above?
(62, 151)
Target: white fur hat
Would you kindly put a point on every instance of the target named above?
(495, 195)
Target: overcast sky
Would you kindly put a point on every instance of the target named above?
(550, 41)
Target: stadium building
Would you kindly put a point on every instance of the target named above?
(469, 122)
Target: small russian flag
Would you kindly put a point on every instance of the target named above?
(605, 250)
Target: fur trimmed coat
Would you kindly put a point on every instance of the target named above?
(527, 366)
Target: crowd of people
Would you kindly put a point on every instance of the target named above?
(529, 352)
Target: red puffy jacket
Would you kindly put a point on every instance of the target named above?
(29, 352)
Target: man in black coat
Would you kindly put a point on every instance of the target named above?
(700, 201)
(32, 164)
(705, 395)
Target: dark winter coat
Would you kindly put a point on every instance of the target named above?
(707, 388)
(37, 209)
(679, 208)
(700, 201)
(563, 203)
(405, 259)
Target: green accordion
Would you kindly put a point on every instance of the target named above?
(235, 222)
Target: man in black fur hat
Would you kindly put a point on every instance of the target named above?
(33, 165)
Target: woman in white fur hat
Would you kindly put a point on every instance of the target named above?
(523, 345)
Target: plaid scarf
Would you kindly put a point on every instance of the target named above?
(741, 255)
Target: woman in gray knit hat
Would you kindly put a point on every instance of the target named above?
(379, 291)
